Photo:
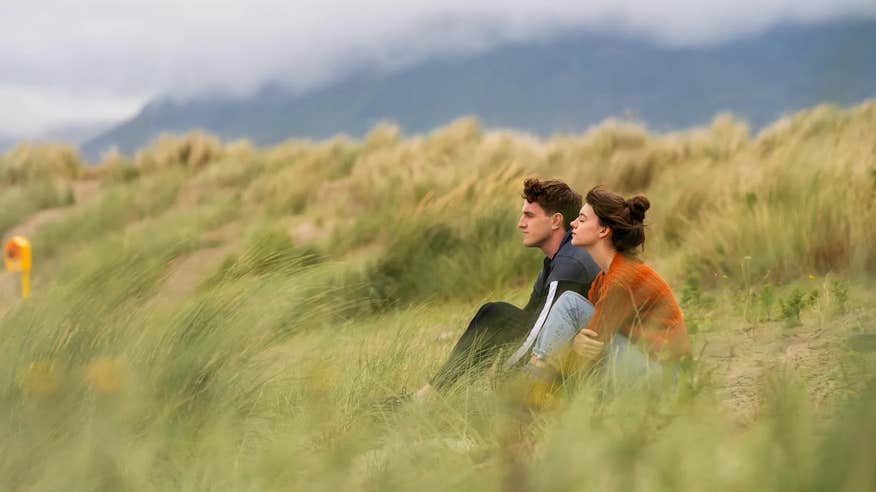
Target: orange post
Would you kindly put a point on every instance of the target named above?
(17, 256)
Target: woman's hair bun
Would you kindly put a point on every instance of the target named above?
(638, 206)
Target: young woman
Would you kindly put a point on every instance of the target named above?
(629, 317)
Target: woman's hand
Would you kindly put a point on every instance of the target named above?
(586, 345)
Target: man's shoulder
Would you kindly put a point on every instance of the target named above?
(570, 253)
(575, 261)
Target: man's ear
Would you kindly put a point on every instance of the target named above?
(557, 221)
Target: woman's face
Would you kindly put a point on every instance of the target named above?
(586, 229)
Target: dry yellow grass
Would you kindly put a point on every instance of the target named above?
(334, 273)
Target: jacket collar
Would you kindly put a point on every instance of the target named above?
(566, 240)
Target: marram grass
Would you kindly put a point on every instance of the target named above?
(223, 317)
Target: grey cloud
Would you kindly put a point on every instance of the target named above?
(136, 49)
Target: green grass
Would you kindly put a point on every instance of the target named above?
(267, 372)
(19, 202)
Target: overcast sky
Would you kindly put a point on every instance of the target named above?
(81, 61)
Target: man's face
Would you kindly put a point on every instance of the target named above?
(586, 229)
(535, 224)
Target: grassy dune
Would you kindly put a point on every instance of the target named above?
(217, 316)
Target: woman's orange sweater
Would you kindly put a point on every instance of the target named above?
(633, 299)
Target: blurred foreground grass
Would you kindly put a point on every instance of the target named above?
(216, 316)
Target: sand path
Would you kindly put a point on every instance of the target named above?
(816, 352)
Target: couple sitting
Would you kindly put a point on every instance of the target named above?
(592, 301)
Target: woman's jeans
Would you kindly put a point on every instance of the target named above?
(571, 313)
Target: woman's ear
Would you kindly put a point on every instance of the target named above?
(604, 231)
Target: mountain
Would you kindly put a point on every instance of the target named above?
(564, 84)
(73, 133)
(76, 133)
(7, 143)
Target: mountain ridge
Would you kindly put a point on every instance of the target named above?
(547, 86)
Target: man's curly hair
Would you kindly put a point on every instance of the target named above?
(554, 196)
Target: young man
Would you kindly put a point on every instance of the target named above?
(549, 207)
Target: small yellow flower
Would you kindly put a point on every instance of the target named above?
(105, 375)
(40, 379)
(812, 277)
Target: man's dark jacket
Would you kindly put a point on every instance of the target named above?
(571, 268)
(500, 324)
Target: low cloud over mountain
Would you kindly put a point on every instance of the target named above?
(76, 62)
(560, 85)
